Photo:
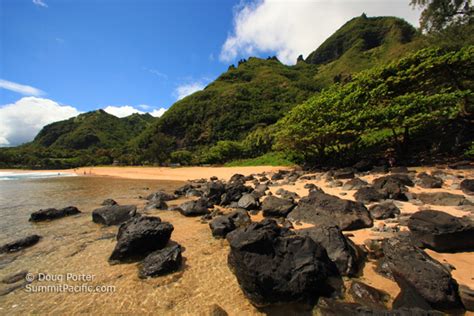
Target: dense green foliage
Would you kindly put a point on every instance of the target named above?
(439, 14)
(384, 106)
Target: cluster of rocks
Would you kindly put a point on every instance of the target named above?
(147, 239)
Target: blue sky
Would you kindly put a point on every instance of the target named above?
(62, 57)
(97, 53)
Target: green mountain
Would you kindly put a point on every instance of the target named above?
(97, 129)
(257, 91)
(362, 43)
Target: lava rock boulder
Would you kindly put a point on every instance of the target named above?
(441, 231)
(273, 265)
(161, 262)
(340, 249)
(320, 208)
(113, 214)
(274, 206)
(139, 236)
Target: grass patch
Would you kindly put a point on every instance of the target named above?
(269, 159)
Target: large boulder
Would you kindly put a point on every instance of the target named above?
(198, 207)
(139, 236)
(320, 208)
(113, 214)
(443, 199)
(428, 181)
(384, 210)
(20, 244)
(52, 213)
(393, 186)
(467, 186)
(341, 250)
(222, 225)
(441, 231)
(161, 262)
(273, 265)
(412, 267)
(248, 202)
(368, 195)
(274, 206)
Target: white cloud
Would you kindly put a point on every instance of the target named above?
(126, 110)
(290, 28)
(158, 112)
(188, 88)
(20, 88)
(22, 120)
(144, 106)
(122, 111)
(40, 3)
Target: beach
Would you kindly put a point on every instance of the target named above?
(76, 245)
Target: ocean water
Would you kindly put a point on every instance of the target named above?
(76, 246)
(5, 175)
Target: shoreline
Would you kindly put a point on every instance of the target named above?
(158, 173)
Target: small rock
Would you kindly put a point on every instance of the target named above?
(161, 262)
(52, 213)
(20, 244)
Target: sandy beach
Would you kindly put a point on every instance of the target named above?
(203, 251)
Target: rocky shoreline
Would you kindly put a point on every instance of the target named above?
(302, 246)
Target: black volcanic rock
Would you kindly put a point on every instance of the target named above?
(194, 208)
(139, 236)
(340, 249)
(320, 208)
(368, 296)
(393, 186)
(248, 202)
(108, 202)
(222, 225)
(368, 194)
(20, 244)
(429, 182)
(441, 231)
(273, 265)
(113, 214)
(443, 199)
(384, 210)
(274, 206)
(161, 262)
(52, 213)
(162, 196)
(354, 184)
(412, 267)
(467, 186)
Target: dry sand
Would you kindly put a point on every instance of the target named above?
(178, 174)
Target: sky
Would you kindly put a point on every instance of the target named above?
(59, 58)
